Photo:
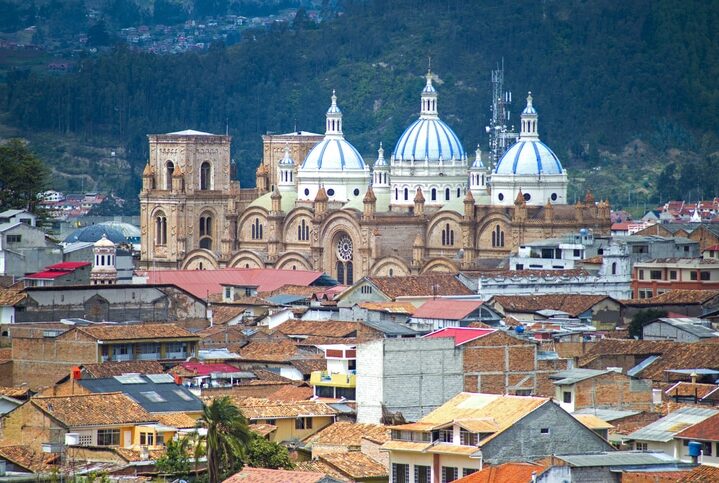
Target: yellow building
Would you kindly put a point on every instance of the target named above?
(287, 420)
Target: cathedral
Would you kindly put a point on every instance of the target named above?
(318, 205)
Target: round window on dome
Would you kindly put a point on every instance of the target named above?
(527, 197)
(554, 196)
(330, 192)
(307, 191)
(356, 192)
(500, 197)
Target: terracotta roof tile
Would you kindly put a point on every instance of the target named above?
(93, 409)
(355, 464)
(607, 347)
(289, 392)
(27, 458)
(573, 304)
(134, 455)
(427, 284)
(263, 475)
(701, 474)
(677, 297)
(117, 368)
(324, 328)
(683, 356)
(570, 272)
(221, 314)
(320, 466)
(258, 408)
(177, 420)
(16, 392)
(136, 331)
(11, 296)
(514, 472)
(389, 307)
(263, 375)
(449, 309)
(272, 351)
(262, 429)
(707, 430)
(343, 433)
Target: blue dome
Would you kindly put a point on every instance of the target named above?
(428, 138)
(529, 158)
(93, 233)
(333, 153)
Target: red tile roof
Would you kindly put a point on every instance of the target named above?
(448, 309)
(514, 472)
(424, 285)
(264, 475)
(701, 474)
(58, 270)
(67, 266)
(573, 304)
(205, 369)
(48, 274)
(461, 335)
(707, 430)
(201, 283)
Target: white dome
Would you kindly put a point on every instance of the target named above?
(428, 138)
(529, 157)
(333, 153)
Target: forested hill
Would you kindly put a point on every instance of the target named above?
(602, 73)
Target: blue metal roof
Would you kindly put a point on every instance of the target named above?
(334, 153)
(428, 138)
(529, 157)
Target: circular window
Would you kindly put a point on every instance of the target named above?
(500, 196)
(527, 197)
(330, 192)
(356, 192)
(554, 196)
(344, 248)
(307, 192)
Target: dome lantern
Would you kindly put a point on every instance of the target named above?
(529, 121)
(429, 99)
(334, 118)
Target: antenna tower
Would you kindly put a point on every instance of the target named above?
(500, 136)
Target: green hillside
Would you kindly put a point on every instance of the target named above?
(623, 89)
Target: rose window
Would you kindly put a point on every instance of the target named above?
(344, 248)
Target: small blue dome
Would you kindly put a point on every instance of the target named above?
(333, 153)
(93, 233)
(529, 157)
(428, 138)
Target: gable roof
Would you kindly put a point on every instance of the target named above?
(696, 355)
(103, 409)
(273, 351)
(425, 285)
(573, 376)
(200, 283)
(677, 297)
(11, 296)
(461, 335)
(514, 472)
(264, 475)
(156, 393)
(260, 408)
(343, 433)
(27, 458)
(572, 304)
(389, 307)
(326, 328)
(694, 326)
(447, 309)
(118, 368)
(707, 430)
(135, 332)
(609, 347)
(355, 465)
(666, 428)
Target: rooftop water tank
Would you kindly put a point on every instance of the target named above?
(695, 449)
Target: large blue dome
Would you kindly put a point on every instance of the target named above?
(529, 157)
(333, 153)
(428, 138)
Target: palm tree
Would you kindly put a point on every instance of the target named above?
(227, 436)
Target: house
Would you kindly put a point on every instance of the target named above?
(264, 475)
(344, 437)
(591, 388)
(655, 277)
(18, 216)
(353, 467)
(9, 299)
(277, 356)
(42, 356)
(206, 374)
(473, 429)
(705, 432)
(661, 434)
(293, 421)
(25, 249)
(599, 310)
(60, 275)
(395, 312)
(679, 329)
(339, 379)
(103, 419)
(415, 289)
(706, 234)
(21, 459)
(692, 303)
(440, 313)
(693, 392)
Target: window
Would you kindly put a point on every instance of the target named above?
(645, 293)
(500, 197)
(422, 474)
(672, 274)
(108, 437)
(693, 275)
(406, 194)
(449, 473)
(228, 292)
(614, 268)
(303, 231)
(467, 438)
(459, 193)
(497, 237)
(14, 238)
(445, 435)
(303, 423)
(256, 230)
(85, 439)
(160, 229)
(147, 439)
(554, 196)
(577, 253)
(434, 194)
(704, 275)
(330, 192)
(400, 473)
(468, 471)
(655, 274)
(152, 396)
(567, 397)
(447, 236)
(641, 274)
(366, 289)
(640, 446)
(205, 170)
(356, 192)
(706, 448)
(446, 194)
(169, 169)
(527, 197)
(182, 395)
(544, 431)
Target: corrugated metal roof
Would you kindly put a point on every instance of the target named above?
(618, 458)
(642, 365)
(665, 428)
(461, 335)
(573, 376)
(692, 325)
(607, 414)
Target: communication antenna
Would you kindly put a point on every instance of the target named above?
(500, 136)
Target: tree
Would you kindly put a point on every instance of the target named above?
(642, 318)
(176, 460)
(22, 176)
(262, 453)
(227, 437)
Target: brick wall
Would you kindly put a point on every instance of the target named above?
(614, 390)
(29, 426)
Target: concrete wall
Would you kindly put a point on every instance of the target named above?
(412, 376)
(659, 330)
(525, 441)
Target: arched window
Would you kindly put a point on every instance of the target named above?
(459, 192)
(446, 194)
(497, 237)
(341, 272)
(169, 169)
(257, 230)
(406, 194)
(447, 236)
(434, 194)
(303, 231)
(344, 255)
(614, 268)
(396, 193)
(160, 229)
(206, 231)
(205, 170)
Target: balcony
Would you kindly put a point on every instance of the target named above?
(324, 378)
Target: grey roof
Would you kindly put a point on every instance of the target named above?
(664, 429)
(93, 233)
(11, 213)
(692, 325)
(618, 458)
(607, 415)
(216, 354)
(155, 397)
(642, 365)
(286, 299)
(392, 328)
(573, 376)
